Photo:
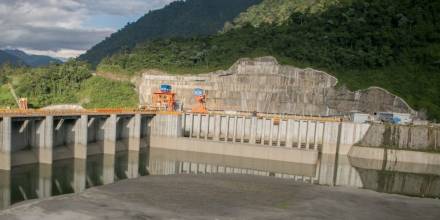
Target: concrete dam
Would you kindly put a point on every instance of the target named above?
(263, 85)
(100, 148)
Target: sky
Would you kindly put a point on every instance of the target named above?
(66, 28)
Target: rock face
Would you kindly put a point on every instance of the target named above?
(263, 85)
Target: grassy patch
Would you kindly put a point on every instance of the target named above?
(98, 92)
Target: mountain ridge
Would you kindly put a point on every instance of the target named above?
(31, 59)
(6, 58)
(178, 19)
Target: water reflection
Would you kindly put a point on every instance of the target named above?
(169, 162)
(397, 178)
(71, 176)
(422, 180)
(38, 181)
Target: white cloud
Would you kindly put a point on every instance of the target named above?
(118, 7)
(56, 27)
(61, 53)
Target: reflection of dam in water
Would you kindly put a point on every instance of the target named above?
(407, 179)
(38, 181)
(75, 175)
(399, 178)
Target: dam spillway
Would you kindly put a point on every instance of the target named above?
(33, 138)
(98, 148)
(42, 137)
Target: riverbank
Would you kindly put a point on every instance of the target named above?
(223, 197)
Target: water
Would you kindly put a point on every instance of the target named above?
(70, 176)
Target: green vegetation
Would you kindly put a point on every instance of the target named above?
(387, 43)
(277, 12)
(6, 98)
(178, 19)
(98, 92)
(71, 82)
(55, 84)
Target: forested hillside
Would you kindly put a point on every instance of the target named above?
(387, 43)
(278, 11)
(180, 18)
(71, 82)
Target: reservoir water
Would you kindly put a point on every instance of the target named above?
(36, 181)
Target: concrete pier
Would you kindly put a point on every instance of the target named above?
(80, 147)
(46, 136)
(134, 139)
(110, 135)
(5, 148)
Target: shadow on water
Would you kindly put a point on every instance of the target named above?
(72, 176)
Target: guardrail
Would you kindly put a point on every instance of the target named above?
(129, 111)
(280, 116)
(47, 112)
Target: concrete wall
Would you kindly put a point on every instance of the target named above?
(237, 150)
(166, 125)
(394, 155)
(328, 137)
(64, 132)
(95, 132)
(404, 137)
(263, 85)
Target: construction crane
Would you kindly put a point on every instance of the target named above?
(22, 103)
(164, 99)
(200, 97)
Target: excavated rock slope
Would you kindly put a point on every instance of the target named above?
(263, 85)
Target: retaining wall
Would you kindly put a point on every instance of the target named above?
(276, 132)
(403, 137)
(263, 85)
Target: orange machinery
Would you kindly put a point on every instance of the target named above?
(164, 99)
(200, 106)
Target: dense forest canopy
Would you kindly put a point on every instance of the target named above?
(71, 82)
(277, 11)
(180, 18)
(387, 43)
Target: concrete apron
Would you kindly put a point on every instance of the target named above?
(394, 156)
(236, 149)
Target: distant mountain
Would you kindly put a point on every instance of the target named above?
(178, 19)
(32, 60)
(11, 59)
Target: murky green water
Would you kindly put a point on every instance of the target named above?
(70, 176)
